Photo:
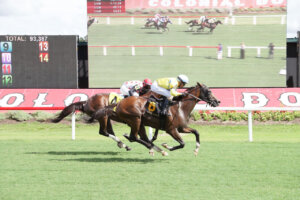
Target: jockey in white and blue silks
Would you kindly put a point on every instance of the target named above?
(163, 20)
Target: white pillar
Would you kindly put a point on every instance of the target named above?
(107, 20)
(150, 133)
(133, 51)
(161, 51)
(254, 20)
(250, 125)
(233, 20)
(229, 52)
(73, 125)
(282, 19)
(104, 51)
(190, 51)
(226, 20)
(179, 20)
(258, 52)
(132, 20)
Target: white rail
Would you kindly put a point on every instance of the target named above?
(258, 49)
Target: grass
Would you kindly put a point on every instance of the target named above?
(119, 65)
(40, 161)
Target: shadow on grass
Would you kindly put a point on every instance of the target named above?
(116, 159)
(76, 153)
(153, 32)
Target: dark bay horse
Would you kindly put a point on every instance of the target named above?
(211, 26)
(163, 24)
(132, 111)
(194, 22)
(91, 20)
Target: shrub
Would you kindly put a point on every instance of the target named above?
(195, 115)
(42, 116)
(19, 115)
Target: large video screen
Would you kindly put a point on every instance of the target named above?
(236, 43)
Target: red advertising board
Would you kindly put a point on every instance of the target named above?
(164, 4)
(229, 97)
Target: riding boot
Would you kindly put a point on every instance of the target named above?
(165, 107)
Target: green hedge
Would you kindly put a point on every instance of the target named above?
(242, 116)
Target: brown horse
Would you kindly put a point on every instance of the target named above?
(90, 107)
(132, 111)
(211, 26)
(93, 104)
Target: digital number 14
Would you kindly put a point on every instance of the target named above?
(44, 57)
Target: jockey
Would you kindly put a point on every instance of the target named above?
(167, 88)
(212, 20)
(202, 19)
(135, 87)
(156, 17)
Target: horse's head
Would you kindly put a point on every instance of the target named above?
(218, 22)
(207, 96)
(202, 92)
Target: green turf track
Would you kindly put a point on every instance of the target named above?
(40, 161)
(119, 65)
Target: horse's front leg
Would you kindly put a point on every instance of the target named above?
(195, 132)
(175, 134)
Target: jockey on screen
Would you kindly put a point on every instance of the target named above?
(167, 88)
(212, 20)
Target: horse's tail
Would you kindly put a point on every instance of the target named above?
(77, 106)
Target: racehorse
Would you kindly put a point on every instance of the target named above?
(194, 22)
(133, 112)
(150, 22)
(211, 26)
(163, 22)
(95, 103)
(91, 21)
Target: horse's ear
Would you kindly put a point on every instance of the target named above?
(199, 84)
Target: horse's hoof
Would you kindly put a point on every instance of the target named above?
(196, 152)
(164, 153)
(127, 148)
(120, 144)
(165, 145)
(151, 152)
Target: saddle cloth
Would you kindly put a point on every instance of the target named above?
(114, 98)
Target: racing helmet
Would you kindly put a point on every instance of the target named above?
(147, 81)
(183, 78)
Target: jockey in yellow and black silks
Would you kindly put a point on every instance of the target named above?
(167, 87)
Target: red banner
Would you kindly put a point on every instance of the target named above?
(229, 97)
(165, 4)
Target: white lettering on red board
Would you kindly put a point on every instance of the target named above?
(285, 98)
(70, 99)
(12, 100)
(40, 100)
(254, 100)
(213, 3)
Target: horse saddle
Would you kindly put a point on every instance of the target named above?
(114, 98)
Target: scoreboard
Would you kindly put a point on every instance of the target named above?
(106, 6)
(38, 61)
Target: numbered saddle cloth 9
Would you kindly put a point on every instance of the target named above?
(114, 98)
(153, 106)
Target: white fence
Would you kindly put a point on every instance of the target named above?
(180, 19)
(258, 49)
(200, 107)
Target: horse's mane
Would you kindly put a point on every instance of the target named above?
(190, 88)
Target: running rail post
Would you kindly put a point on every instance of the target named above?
(250, 125)
(150, 133)
(73, 125)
